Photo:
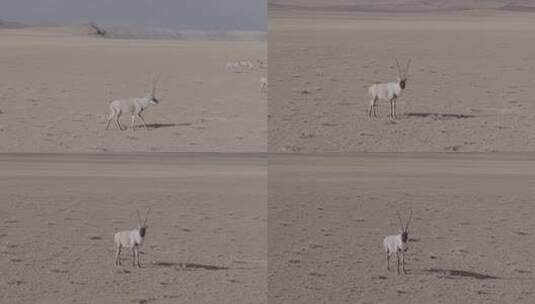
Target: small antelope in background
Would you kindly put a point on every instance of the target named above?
(263, 83)
(398, 244)
(131, 239)
(388, 91)
(132, 106)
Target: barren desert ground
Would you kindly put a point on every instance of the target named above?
(57, 82)
(470, 239)
(470, 85)
(206, 241)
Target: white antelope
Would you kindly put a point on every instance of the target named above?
(398, 244)
(239, 66)
(132, 106)
(389, 92)
(231, 66)
(247, 64)
(131, 239)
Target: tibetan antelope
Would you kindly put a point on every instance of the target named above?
(132, 106)
(131, 239)
(398, 244)
(389, 92)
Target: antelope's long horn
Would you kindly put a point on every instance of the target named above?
(146, 217)
(138, 217)
(408, 221)
(407, 68)
(399, 68)
(154, 85)
(400, 221)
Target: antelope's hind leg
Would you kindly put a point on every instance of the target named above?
(371, 108)
(117, 121)
(110, 118)
(387, 261)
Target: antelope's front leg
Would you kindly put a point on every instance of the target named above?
(403, 263)
(397, 258)
(388, 261)
(137, 253)
(395, 110)
(143, 121)
(134, 256)
(392, 109)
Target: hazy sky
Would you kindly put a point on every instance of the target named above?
(174, 14)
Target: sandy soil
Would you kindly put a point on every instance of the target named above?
(56, 85)
(470, 86)
(205, 243)
(470, 240)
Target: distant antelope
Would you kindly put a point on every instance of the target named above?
(133, 106)
(247, 64)
(131, 239)
(389, 91)
(398, 244)
(231, 66)
(263, 83)
(239, 66)
(260, 63)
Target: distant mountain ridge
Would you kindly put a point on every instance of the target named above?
(125, 32)
(402, 5)
(9, 24)
(520, 5)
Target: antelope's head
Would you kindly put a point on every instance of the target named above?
(142, 224)
(403, 74)
(153, 98)
(404, 231)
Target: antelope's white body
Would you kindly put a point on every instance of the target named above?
(393, 243)
(128, 239)
(131, 106)
(385, 91)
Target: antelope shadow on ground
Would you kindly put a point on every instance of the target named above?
(437, 115)
(164, 125)
(189, 266)
(458, 274)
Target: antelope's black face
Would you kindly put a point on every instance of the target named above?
(402, 83)
(142, 231)
(404, 237)
(154, 100)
